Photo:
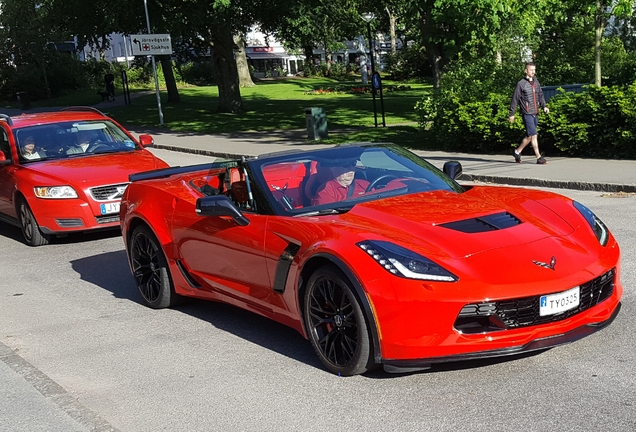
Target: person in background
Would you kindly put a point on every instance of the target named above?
(529, 96)
(109, 80)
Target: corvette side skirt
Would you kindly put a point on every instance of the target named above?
(402, 366)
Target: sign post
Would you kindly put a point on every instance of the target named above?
(376, 83)
(152, 45)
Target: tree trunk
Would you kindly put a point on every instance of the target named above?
(245, 79)
(171, 83)
(392, 23)
(225, 70)
(309, 56)
(434, 50)
(599, 27)
(436, 61)
(46, 80)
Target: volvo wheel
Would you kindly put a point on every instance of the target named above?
(30, 228)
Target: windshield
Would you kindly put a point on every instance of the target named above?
(333, 180)
(71, 139)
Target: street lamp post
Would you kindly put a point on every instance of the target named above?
(368, 17)
(154, 69)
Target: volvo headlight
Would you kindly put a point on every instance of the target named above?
(405, 263)
(598, 227)
(55, 192)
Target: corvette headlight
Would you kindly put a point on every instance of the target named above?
(405, 263)
(598, 227)
(55, 192)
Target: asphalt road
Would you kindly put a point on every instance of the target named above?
(70, 311)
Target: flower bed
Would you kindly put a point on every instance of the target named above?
(360, 89)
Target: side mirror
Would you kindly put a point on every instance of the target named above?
(146, 140)
(453, 169)
(2, 156)
(220, 205)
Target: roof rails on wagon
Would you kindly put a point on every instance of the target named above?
(84, 108)
(7, 118)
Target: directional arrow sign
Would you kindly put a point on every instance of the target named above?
(151, 44)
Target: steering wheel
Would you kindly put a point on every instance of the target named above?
(97, 146)
(380, 179)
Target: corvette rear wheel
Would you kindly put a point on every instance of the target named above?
(336, 324)
(30, 228)
(150, 269)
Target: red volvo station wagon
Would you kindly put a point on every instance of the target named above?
(66, 171)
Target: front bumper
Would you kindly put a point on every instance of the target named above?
(534, 345)
(56, 217)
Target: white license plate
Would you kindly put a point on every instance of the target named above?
(560, 302)
(109, 208)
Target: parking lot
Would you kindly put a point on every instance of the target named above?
(75, 335)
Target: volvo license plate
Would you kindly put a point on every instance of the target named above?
(556, 303)
(109, 208)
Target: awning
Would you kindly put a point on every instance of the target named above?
(258, 56)
(269, 56)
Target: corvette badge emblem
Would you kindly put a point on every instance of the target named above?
(549, 266)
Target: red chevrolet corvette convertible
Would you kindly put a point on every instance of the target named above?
(66, 171)
(374, 255)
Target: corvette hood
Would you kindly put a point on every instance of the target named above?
(463, 224)
(95, 169)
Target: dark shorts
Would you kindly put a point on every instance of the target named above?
(531, 121)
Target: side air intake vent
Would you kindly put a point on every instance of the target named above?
(492, 222)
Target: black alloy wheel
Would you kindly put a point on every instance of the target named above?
(336, 324)
(150, 269)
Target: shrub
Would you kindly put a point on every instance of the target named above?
(475, 126)
(600, 122)
(470, 111)
(197, 73)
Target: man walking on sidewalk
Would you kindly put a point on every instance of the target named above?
(529, 96)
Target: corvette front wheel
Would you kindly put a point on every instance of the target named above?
(336, 324)
(150, 269)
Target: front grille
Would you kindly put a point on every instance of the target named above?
(108, 193)
(107, 219)
(524, 312)
(69, 223)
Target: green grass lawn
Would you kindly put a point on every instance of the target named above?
(280, 105)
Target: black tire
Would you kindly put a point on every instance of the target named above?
(335, 323)
(30, 228)
(150, 269)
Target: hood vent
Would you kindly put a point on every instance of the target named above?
(492, 222)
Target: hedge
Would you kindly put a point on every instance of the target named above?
(598, 123)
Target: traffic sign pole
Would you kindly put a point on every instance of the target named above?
(154, 69)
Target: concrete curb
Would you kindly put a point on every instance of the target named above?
(556, 184)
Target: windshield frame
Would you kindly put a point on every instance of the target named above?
(403, 159)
